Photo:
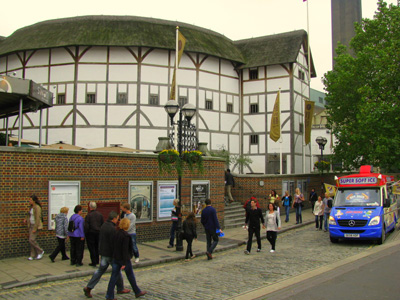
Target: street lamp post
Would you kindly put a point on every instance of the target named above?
(321, 141)
(184, 140)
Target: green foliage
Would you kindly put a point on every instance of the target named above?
(363, 93)
(222, 153)
(322, 165)
(192, 159)
(242, 161)
(2, 139)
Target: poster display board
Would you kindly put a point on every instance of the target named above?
(200, 191)
(166, 193)
(141, 200)
(62, 193)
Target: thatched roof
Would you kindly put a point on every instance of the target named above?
(154, 33)
(273, 49)
(118, 31)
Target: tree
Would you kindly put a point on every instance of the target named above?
(363, 93)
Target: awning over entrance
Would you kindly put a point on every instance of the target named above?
(14, 90)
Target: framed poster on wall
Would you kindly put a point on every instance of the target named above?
(166, 193)
(141, 200)
(200, 191)
(62, 194)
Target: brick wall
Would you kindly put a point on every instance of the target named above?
(104, 177)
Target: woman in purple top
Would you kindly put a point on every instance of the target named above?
(77, 237)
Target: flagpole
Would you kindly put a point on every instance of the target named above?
(280, 136)
(309, 92)
(176, 81)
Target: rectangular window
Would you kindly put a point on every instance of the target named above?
(253, 108)
(122, 98)
(301, 127)
(229, 107)
(182, 101)
(301, 75)
(253, 74)
(209, 104)
(153, 99)
(254, 139)
(90, 98)
(321, 100)
(61, 99)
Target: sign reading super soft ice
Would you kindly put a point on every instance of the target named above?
(358, 180)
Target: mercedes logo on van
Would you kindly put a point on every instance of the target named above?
(352, 223)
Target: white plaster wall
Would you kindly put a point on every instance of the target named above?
(256, 123)
(132, 93)
(209, 81)
(218, 140)
(14, 62)
(230, 85)
(254, 86)
(94, 54)
(211, 64)
(234, 143)
(211, 119)
(122, 73)
(121, 55)
(92, 72)
(93, 113)
(157, 115)
(124, 136)
(157, 57)
(39, 75)
(228, 69)
(57, 115)
(117, 114)
(90, 137)
(258, 165)
(40, 58)
(156, 74)
(61, 55)
(277, 71)
(56, 135)
(69, 93)
(112, 94)
(61, 73)
(149, 138)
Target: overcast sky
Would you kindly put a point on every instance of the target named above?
(236, 19)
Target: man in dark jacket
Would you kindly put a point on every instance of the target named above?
(106, 244)
(93, 222)
(253, 217)
(313, 199)
(211, 225)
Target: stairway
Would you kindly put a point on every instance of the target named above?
(234, 215)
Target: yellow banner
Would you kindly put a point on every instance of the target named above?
(275, 131)
(181, 47)
(308, 118)
(396, 188)
(330, 189)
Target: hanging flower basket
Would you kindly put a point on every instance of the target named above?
(322, 165)
(192, 159)
(169, 160)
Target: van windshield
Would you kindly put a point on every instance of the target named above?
(358, 197)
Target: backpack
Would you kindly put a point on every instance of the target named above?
(71, 226)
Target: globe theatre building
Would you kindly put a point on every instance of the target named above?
(111, 77)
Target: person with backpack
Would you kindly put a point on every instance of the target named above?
(247, 204)
(190, 233)
(287, 202)
(76, 233)
(328, 201)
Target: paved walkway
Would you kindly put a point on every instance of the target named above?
(19, 271)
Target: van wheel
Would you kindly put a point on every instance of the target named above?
(333, 240)
(381, 240)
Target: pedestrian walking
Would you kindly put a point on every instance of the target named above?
(174, 225)
(318, 213)
(189, 233)
(93, 222)
(211, 225)
(61, 234)
(106, 245)
(313, 198)
(126, 208)
(328, 202)
(273, 224)
(287, 202)
(229, 184)
(34, 221)
(273, 196)
(253, 218)
(247, 204)
(298, 205)
(122, 254)
(77, 237)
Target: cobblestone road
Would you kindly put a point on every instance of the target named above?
(228, 274)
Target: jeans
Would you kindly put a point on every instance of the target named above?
(76, 250)
(104, 263)
(172, 232)
(134, 245)
(256, 231)
(326, 218)
(271, 237)
(116, 272)
(211, 234)
(60, 248)
(318, 221)
(299, 218)
(189, 252)
(287, 210)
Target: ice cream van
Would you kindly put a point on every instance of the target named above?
(364, 207)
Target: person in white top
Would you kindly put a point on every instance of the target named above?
(273, 224)
(318, 213)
